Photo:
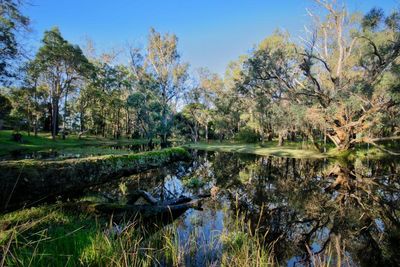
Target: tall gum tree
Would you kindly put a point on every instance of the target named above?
(163, 62)
(59, 65)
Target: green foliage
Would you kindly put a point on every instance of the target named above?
(234, 240)
(372, 19)
(5, 107)
(58, 66)
(12, 22)
(169, 74)
(90, 145)
(58, 55)
(247, 135)
(193, 182)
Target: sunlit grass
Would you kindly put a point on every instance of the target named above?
(291, 150)
(71, 144)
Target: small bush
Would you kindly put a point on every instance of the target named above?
(247, 135)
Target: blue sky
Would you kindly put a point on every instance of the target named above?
(211, 32)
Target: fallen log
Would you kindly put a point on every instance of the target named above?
(177, 201)
(163, 212)
(140, 197)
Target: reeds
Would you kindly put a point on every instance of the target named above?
(50, 236)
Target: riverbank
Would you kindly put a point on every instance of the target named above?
(292, 150)
(29, 180)
(72, 144)
(53, 236)
(289, 150)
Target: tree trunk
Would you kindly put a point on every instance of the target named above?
(145, 211)
(342, 139)
(207, 132)
(54, 116)
(310, 136)
(82, 121)
(65, 115)
(281, 139)
(35, 126)
(163, 134)
(128, 122)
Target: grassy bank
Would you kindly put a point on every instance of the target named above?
(72, 144)
(53, 236)
(291, 150)
(26, 180)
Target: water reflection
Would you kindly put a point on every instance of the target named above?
(307, 210)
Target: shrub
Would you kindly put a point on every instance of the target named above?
(247, 135)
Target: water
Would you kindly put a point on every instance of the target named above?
(41, 155)
(52, 154)
(306, 209)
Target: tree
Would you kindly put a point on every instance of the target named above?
(345, 75)
(59, 65)
(12, 22)
(169, 73)
(192, 118)
(5, 109)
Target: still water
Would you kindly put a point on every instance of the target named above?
(306, 210)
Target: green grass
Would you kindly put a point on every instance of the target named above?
(53, 236)
(72, 144)
(291, 150)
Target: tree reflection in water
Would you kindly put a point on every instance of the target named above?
(308, 210)
(316, 209)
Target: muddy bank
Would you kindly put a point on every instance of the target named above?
(26, 181)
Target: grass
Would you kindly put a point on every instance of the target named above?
(95, 145)
(291, 150)
(72, 144)
(52, 236)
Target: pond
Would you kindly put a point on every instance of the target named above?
(77, 152)
(307, 211)
(40, 155)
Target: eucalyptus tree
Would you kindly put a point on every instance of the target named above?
(205, 95)
(228, 111)
(147, 107)
(354, 76)
(102, 100)
(12, 23)
(170, 75)
(192, 119)
(28, 106)
(59, 65)
(345, 74)
(261, 81)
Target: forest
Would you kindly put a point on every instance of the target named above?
(339, 85)
(320, 111)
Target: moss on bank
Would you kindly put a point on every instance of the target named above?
(27, 180)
